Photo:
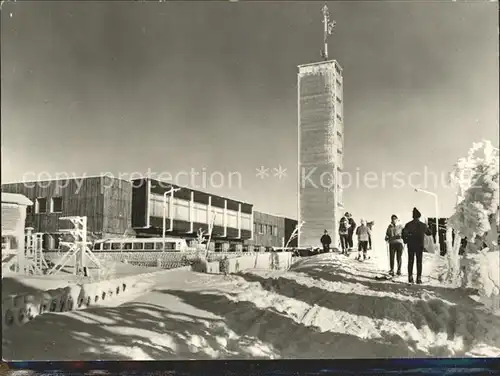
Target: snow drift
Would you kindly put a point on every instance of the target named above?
(326, 306)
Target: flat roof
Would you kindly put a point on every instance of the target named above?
(64, 178)
(16, 198)
(274, 215)
(321, 62)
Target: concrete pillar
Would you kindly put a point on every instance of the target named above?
(225, 218)
(239, 221)
(191, 213)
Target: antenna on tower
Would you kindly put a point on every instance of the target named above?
(328, 26)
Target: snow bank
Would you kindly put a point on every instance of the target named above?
(327, 306)
(19, 309)
(484, 277)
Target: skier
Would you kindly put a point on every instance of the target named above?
(413, 236)
(343, 235)
(351, 229)
(370, 226)
(393, 236)
(363, 233)
(326, 241)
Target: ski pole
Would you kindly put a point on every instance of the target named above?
(388, 254)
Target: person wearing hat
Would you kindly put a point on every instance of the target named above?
(326, 240)
(393, 236)
(363, 233)
(413, 236)
(343, 234)
(350, 232)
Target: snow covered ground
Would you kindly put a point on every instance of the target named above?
(327, 306)
(15, 284)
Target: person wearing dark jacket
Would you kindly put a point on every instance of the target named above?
(343, 233)
(326, 241)
(393, 236)
(413, 236)
(350, 231)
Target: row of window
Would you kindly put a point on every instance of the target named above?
(179, 209)
(265, 229)
(115, 246)
(44, 205)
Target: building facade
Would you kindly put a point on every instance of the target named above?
(105, 201)
(13, 226)
(117, 208)
(271, 231)
(186, 211)
(321, 148)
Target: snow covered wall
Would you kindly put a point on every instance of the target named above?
(320, 145)
(18, 310)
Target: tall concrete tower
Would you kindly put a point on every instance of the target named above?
(321, 146)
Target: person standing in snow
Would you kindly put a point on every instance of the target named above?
(393, 236)
(363, 233)
(343, 235)
(326, 240)
(370, 226)
(350, 231)
(413, 236)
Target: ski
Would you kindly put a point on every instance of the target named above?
(362, 259)
(386, 277)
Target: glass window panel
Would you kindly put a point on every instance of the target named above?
(219, 216)
(181, 209)
(200, 214)
(246, 221)
(246, 224)
(232, 219)
(57, 204)
(42, 205)
(116, 246)
(156, 205)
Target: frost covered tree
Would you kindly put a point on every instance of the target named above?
(295, 234)
(476, 178)
(200, 238)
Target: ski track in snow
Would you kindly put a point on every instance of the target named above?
(326, 306)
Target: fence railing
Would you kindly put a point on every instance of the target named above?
(165, 260)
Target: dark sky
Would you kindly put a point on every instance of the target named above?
(91, 87)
